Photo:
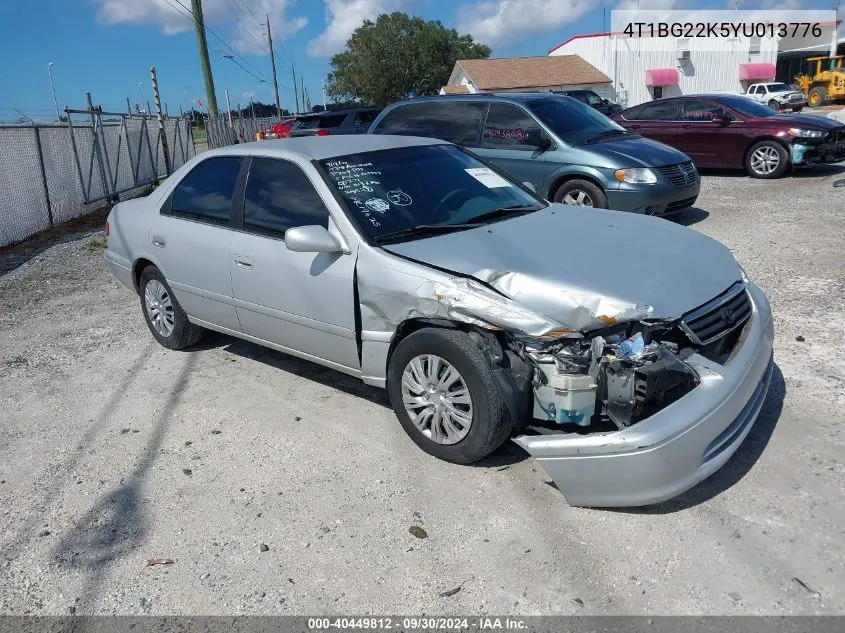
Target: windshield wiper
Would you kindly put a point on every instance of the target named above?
(606, 134)
(425, 229)
(503, 212)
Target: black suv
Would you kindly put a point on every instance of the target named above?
(353, 121)
(593, 100)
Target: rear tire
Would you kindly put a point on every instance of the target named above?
(767, 159)
(164, 316)
(774, 105)
(581, 193)
(817, 96)
(489, 423)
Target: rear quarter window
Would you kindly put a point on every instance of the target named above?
(406, 120)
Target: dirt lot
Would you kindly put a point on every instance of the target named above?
(277, 486)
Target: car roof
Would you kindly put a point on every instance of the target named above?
(330, 112)
(323, 147)
(504, 96)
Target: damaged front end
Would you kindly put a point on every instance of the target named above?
(614, 377)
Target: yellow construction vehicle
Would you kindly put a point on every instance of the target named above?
(826, 84)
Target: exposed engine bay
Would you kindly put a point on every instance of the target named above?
(614, 375)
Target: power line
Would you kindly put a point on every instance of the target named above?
(188, 14)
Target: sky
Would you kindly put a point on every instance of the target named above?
(106, 47)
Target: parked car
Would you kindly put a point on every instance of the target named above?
(353, 121)
(735, 132)
(568, 152)
(593, 100)
(282, 128)
(777, 96)
(596, 339)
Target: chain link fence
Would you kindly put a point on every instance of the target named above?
(242, 130)
(50, 174)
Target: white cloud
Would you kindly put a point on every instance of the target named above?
(643, 5)
(343, 17)
(495, 22)
(248, 36)
(248, 95)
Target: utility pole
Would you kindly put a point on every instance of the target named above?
(295, 93)
(304, 95)
(273, 65)
(205, 63)
(323, 86)
(161, 130)
(53, 89)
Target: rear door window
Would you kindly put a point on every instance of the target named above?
(406, 120)
(507, 126)
(659, 111)
(280, 196)
(455, 121)
(320, 122)
(206, 193)
(364, 118)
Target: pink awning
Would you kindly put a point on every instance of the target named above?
(661, 77)
(756, 71)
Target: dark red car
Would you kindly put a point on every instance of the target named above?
(736, 132)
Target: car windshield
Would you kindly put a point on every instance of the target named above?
(572, 121)
(747, 107)
(410, 192)
(778, 87)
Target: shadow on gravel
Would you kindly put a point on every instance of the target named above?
(116, 525)
(293, 365)
(15, 255)
(812, 171)
(740, 463)
(688, 216)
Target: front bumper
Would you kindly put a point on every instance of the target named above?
(656, 199)
(673, 450)
(808, 152)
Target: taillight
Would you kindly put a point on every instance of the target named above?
(107, 228)
(322, 133)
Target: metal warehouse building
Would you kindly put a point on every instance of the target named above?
(642, 69)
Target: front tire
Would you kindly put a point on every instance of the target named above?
(798, 109)
(164, 316)
(581, 193)
(443, 391)
(767, 159)
(817, 96)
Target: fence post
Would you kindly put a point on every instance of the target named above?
(97, 148)
(43, 176)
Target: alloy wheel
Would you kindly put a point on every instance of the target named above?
(437, 399)
(159, 307)
(578, 198)
(765, 160)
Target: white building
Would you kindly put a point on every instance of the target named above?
(642, 69)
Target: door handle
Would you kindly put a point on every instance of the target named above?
(635, 127)
(688, 126)
(159, 241)
(242, 261)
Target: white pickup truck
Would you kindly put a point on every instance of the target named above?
(777, 96)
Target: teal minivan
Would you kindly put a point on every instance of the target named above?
(568, 151)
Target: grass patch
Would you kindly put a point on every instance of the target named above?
(96, 244)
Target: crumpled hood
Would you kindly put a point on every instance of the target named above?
(637, 152)
(584, 267)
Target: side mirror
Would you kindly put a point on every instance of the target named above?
(530, 186)
(605, 102)
(537, 138)
(311, 239)
(721, 119)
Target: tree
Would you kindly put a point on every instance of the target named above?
(398, 54)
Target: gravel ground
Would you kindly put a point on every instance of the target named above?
(276, 486)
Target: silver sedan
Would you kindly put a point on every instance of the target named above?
(629, 355)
